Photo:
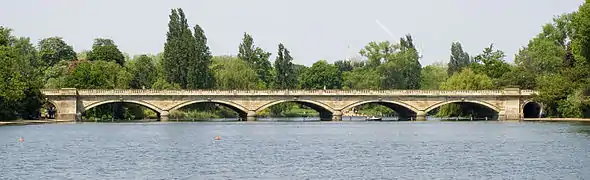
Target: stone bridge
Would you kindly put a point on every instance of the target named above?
(509, 104)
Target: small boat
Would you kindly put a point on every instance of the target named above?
(374, 119)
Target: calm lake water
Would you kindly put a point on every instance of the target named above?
(296, 150)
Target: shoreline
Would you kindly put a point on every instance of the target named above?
(30, 122)
(556, 120)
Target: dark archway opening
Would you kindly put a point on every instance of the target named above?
(463, 111)
(376, 110)
(48, 111)
(120, 111)
(532, 110)
(295, 111)
(208, 111)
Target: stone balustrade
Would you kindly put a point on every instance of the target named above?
(152, 92)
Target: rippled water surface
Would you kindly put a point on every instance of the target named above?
(304, 150)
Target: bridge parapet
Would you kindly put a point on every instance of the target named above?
(152, 92)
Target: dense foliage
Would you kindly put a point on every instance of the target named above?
(556, 62)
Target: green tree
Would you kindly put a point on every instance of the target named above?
(492, 64)
(377, 53)
(143, 71)
(321, 75)
(257, 58)
(409, 54)
(234, 73)
(199, 74)
(467, 80)
(459, 59)
(106, 50)
(161, 84)
(432, 76)
(581, 27)
(179, 49)
(361, 78)
(344, 65)
(53, 50)
(98, 75)
(20, 96)
(285, 75)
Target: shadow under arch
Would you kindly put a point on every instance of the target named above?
(324, 110)
(404, 111)
(437, 105)
(241, 110)
(478, 109)
(145, 104)
(531, 109)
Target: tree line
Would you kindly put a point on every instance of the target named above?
(555, 62)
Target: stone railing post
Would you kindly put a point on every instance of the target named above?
(337, 116)
(164, 116)
(251, 116)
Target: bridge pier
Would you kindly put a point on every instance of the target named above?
(337, 116)
(420, 116)
(251, 116)
(164, 116)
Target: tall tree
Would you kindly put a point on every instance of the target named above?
(54, 49)
(199, 74)
(459, 59)
(179, 49)
(20, 95)
(257, 58)
(285, 75)
(106, 50)
(412, 58)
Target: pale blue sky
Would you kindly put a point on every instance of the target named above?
(311, 30)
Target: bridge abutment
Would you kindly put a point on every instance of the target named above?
(251, 116)
(164, 116)
(337, 116)
(420, 116)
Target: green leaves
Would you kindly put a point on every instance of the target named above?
(459, 59)
(19, 88)
(467, 80)
(320, 75)
(285, 74)
(98, 75)
(106, 50)
(433, 76)
(53, 50)
(257, 58)
(186, 57)
(234, 73)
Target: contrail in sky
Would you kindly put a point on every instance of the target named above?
(385, 29)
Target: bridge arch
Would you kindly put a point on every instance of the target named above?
(531, 109)
(407, 106)
(483, 103)
(403, 111)
(318, 106)
(145, 104)
(236, 107)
